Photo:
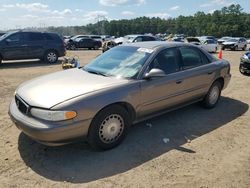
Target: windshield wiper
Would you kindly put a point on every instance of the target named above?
(96, 72)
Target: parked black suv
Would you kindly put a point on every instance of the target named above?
(31, 45)
(85, 42)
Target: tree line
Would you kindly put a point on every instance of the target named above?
(229, 21)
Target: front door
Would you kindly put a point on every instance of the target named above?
(163, 92)
(15, 47)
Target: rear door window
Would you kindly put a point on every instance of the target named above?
(148, 38)
(34, 36)
(192, 57)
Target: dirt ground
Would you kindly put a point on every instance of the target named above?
(204, 148)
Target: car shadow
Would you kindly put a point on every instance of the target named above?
(78, 163)
(26, 64)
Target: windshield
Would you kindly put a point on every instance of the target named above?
(232, 40)
(225, 38)
(121, 61)
(130, 38)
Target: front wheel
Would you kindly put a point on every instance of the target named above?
(213, 95)
(72, 47)
(51, 57)
(244, 48)
(108, 128)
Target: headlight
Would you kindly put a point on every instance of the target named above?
(52, 115)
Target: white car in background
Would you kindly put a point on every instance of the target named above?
(236, 43)
(208, 44)
(223, 39)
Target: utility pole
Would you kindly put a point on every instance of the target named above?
(100, 24)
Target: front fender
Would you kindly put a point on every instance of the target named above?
(87, 106)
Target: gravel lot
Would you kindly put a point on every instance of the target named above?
(205, 148)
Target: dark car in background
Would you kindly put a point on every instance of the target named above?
(31, 45)
(85, 42)
(245, 64)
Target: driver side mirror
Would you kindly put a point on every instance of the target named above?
(154, 73)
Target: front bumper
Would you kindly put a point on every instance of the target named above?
(49, 133)
(231, 46)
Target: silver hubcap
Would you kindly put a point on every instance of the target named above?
(111, 128)
(51, 57)
(214, 95)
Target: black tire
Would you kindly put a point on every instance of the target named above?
(216, 49)
(244, 48)
(222, 48)
(51, 56)
(242, 71)
(72, 47)
(235, 48)
(1, 60)
(98, 136)
(212, 98)
(96, 47)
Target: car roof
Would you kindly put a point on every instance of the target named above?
(30, 31)
(156, 44)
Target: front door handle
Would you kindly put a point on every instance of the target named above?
(210, 73)
(179, 82)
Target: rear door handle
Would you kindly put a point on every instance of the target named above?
(210, 73)
(179, 82)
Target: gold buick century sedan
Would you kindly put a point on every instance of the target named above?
(125, 85)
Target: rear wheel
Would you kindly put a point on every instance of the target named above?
(109, 127)
(213, 95)
(51, 56)
(1, 60)
(235, 48)
(96, 47)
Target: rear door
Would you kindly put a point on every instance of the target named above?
(35, 43)
(197, 73)
(86, 43)
(15, 47)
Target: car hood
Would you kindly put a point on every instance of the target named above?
(49, 90)
(229, 43)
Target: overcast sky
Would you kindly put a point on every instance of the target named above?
(40, 13)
